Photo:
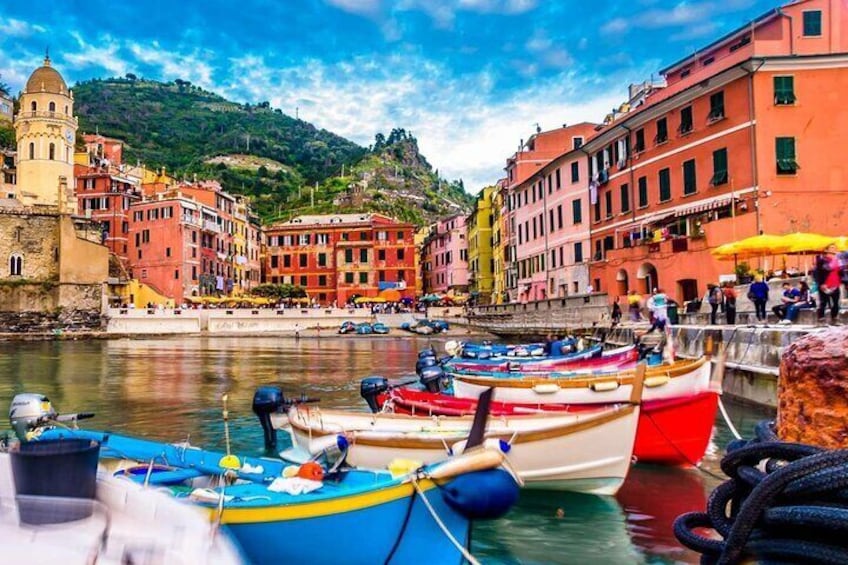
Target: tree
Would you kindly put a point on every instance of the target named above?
(4, 88)
(131, 77)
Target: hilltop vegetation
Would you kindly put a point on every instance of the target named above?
(287, 166)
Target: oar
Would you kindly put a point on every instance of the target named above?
(228, 461)
(481, 417)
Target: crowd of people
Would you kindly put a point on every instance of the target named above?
(822, 293)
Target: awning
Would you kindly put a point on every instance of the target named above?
(703, 207)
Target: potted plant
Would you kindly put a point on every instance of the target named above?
(743, 273)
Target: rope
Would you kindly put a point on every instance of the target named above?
(465, 553)
(784, 502)
(727, 421)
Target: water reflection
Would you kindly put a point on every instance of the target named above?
(170, 389)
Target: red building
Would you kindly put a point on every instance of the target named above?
(165, 242)
(339, 257)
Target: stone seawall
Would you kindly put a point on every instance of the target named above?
(542, 317)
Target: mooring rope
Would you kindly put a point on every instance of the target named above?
(465, 553)
(727, 420)
(784, 502)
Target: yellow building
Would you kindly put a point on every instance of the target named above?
(480, 257)
(418, 240)
(55, 259)
(499, 246)
(45, 130)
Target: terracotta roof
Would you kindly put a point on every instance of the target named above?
(46, 79)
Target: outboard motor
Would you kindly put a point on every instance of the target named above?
(370, 388)
(29, 411)
(266, 401)
(428, 352)
(432, 378)
(423, 363)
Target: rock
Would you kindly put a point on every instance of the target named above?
(812, 399)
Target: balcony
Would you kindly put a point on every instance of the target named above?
(211, 226)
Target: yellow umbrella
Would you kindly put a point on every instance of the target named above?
(755, 246)
(368, 299)
(841, 243)
(806, 242)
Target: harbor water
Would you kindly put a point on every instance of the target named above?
(170, 389)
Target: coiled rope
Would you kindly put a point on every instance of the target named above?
(784, 502)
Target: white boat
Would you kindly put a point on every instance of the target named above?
(126, 523)
(587, 451)
(680, 379)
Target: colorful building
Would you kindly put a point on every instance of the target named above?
(480, 257)
(738, 141)
(339, 257)
(499, 216)
(6, 108)
(538, 239)
(445, 257)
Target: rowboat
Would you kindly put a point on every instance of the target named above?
(275, 510)
(371, 516)
(588, 451)
(683, 378)
(124, 523)
(591, 359)
(673, 431)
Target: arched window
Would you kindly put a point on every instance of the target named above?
(16, 264)
(52, 106)
(32, 150)
(34, 106)
(66, 109)
(52, 151)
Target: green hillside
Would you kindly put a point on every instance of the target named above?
(287, 166)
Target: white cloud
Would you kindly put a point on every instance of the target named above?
(361, 7)
(615, 26)
(191, 66)
(11, 27)
(104, 54)
(460, 130)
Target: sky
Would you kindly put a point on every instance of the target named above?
(469, 78)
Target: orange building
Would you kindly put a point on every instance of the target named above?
(740, 140)
(339, 257)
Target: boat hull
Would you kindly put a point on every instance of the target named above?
(671, 432)
(591, 360)
(661, 383)
(590, 455)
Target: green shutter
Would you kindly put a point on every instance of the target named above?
(812, 23)
(625, 198)
(690, 185)
(784, 90)
(720, 175)
(643, 192)
(785, 152)
(665, 185)
(576, 211)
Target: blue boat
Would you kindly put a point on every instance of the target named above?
(364, 328)
(380, 328)
(356, 516)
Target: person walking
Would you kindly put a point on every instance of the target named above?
(715, 298)
(729, 304)
(658, 305)
(758, 293)
(616, 311)
(827, 276)
(634, 304)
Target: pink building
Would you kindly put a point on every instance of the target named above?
(445, 257)
(551, 211)
(545, 249)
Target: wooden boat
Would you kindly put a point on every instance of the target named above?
(124, 523)
(673, 431)
(369, 516)
(587, 451)
(682, 378)
(591, 359)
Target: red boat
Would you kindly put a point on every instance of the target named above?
(673, 431)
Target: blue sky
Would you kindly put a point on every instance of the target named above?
(469, 78)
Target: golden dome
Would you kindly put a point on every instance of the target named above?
(46, 79)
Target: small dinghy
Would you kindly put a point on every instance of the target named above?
(275, 510)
